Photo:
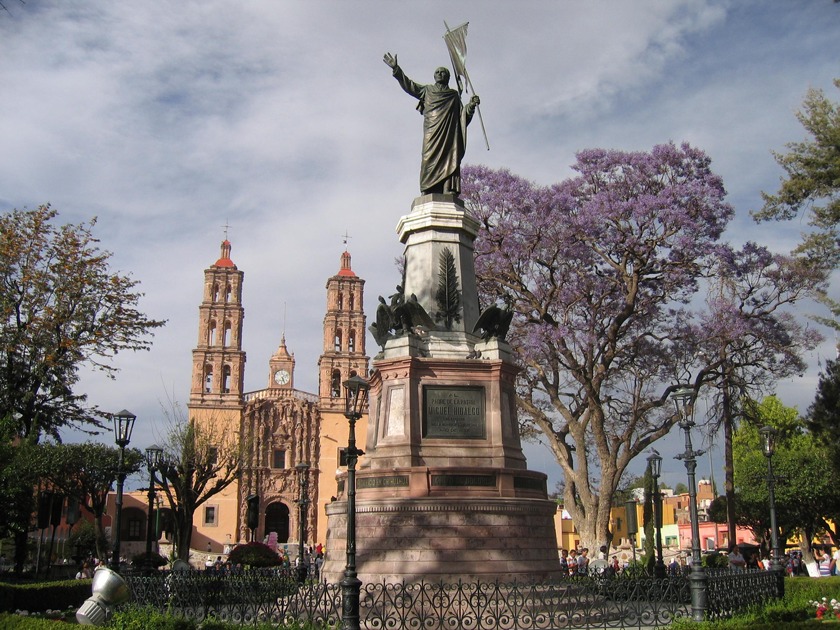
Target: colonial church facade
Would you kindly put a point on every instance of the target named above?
(291, 439)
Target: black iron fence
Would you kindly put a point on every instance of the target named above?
(595, 601)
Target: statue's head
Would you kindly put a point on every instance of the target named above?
(442, 76)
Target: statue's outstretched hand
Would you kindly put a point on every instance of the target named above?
(391, 60)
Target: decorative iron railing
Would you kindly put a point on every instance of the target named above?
(732, 591)
(595, 601)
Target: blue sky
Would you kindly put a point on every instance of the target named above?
(169, 120)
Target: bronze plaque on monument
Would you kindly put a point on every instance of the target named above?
(454, 412)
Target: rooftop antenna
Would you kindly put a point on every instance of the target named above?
(225, 227)
(346, 237)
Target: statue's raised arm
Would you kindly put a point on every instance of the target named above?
(445, 122)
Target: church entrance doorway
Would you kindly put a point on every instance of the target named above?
(277, 520)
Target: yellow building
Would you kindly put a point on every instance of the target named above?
(280, 427)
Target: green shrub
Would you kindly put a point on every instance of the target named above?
(148, 619)
(254, 554)
(715, 560)
(10, 621)
(40, 596)
(793, 611)
(139, 560)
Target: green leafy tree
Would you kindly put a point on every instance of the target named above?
(200, 461)
(807, 487)
(824, 413)
(811, 185)
(812, 179)
(61, 307)
(87, 472)
(19, 476)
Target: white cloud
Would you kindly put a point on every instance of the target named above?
(168, 120)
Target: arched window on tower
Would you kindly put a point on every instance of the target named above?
(340, 301)
(352, 300)
(215, 291)
(335, 384)
(337, 342)
(227, 338)
(228, 293)
(208, 378)
(226, 379)
(351, 341)
(211, 333)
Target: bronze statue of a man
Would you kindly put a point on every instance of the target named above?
(445, 122)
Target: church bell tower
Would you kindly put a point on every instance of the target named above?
(344, 336)
(218, 359)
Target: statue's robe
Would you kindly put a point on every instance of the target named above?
(445, 123)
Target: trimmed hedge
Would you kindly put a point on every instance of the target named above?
(793, 611)
(41, 596)
(254, 554)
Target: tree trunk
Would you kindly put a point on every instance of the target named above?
(21, 544)
(99, 536)
(728, 464)
(183, 533)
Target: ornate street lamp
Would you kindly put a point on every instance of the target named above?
(123, 426)
(356, 392)
(768, 436)
(153, 455)
(655, 464)
(684, 401)
(303, 480)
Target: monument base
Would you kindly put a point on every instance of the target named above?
(446, 525)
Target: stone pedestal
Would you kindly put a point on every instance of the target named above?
(444, 492)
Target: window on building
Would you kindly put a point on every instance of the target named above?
(278, 459)
(215, 292)
(351, 341)
(211, 334)
(342, 457)
(210, 515)
(227, 335)
(228, 293)
(337, 341)
(340, 301)
(208, 378)
(213, 455)
(135, 528)
(226, 379)
(352, 300)
(335, 384)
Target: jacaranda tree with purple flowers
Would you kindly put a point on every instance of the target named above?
(604, 272)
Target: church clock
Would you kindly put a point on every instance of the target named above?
(281, 367)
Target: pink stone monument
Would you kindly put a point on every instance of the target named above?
(443, 492)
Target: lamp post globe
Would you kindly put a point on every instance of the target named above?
(123, 426)
(684, 402)
(768, 438)
(303, 481)
(655, 464)
(153, 459)
(356, 392)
